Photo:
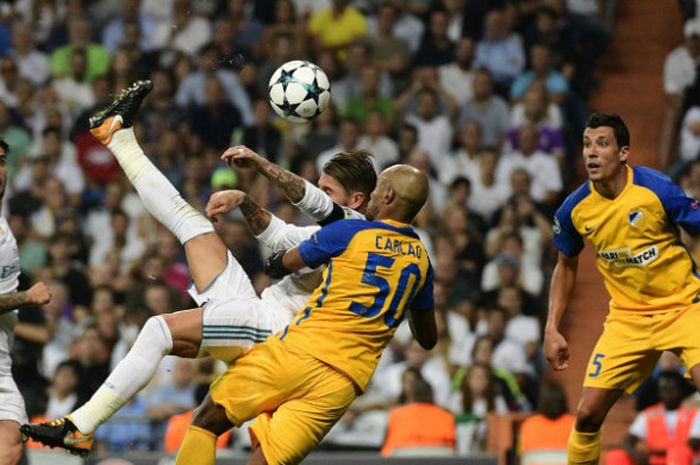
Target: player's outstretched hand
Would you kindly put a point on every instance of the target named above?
(241, 156)
(39, 294)
(223, 202)
(556, 349)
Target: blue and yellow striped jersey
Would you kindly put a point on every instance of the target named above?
(636, 239)
(375, 271)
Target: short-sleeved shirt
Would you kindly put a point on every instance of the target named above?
(375, 271)
(645, 266)
(338, 31)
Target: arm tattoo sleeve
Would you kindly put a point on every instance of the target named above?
(256, 216)
(291, 185)
(12, 301)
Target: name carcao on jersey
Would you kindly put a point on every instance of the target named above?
(398, 246)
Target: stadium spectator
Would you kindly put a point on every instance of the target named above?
(194, 88)
(665, 433)
(406, 426)
(31, 63)
(431, 368)
(548, 429)
(389, 52)
(542, 70)
(490, 111)
(430, 120)
(489, 193)
(96, 57)
(130, 11)
(177, 424)
(62, 395)
(377, 141)
(500, 51)
(546, 184)
(457, 77)
(369, 99)
(679, 75)
(477, 397)
(336, 27)
(436, 48)
(173, 397)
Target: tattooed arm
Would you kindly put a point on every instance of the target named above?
(270, 230)
(291, 185)
(38, 294)
(304, 195)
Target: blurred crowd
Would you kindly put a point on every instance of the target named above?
(488, 97)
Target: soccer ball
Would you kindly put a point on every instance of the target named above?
(299, 91)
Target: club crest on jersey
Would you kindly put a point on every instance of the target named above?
(634, 216)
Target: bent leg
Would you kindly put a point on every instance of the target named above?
(199, 446)
(174, 334)
(585, 439)
(10, 443)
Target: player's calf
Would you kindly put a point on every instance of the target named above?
(10, 443)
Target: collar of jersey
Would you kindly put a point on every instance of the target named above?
(395, 223)
(630, 181)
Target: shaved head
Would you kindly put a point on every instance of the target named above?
(401, 192)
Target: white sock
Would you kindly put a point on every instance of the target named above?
(129, 376)
(161, 199)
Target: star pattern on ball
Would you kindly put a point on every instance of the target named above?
(287, 77)
(313, 90)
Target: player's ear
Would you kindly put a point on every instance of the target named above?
(389, 195)
(624, 153)
(357, 200)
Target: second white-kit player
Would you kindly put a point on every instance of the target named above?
(12, 410)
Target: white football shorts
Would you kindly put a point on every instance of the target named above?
(234, 317)
(11, 401)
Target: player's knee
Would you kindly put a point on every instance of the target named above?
(156, 334)
(211, 417)
(588, 419)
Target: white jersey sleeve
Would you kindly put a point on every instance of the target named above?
(320, 207)
(280, 235)
(315, 203)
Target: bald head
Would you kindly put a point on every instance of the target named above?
(401, 192)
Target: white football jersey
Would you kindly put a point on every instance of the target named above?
(9, 279)
(288, 296)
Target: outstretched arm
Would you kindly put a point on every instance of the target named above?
(556, 349)
(38, 294)
(304, 195)
(291, 185)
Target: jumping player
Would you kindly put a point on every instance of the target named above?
(231, 317)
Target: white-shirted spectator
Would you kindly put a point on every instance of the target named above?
(690, 135)
(434, 129)
(457, 78)
(31, 63)
(679, 74)
(464, 162)
(375, 140)
(432, 368)
(489, 194)
(546, 185)
(60, 165)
